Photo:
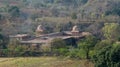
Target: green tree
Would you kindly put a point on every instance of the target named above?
(111, 30)
(57, 46)
(14, 11)
(58, 43)
(1, 17)
(74, 16)
(108, 56)
(102, 44)
(114, 9)
(84, 1)
(3, 42)
(13, 44)
(87, 44)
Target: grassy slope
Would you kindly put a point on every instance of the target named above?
(43, 62)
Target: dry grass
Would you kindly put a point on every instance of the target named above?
(43, 62)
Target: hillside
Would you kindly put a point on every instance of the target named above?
(100, 6)
(14, 14)
(59, 33)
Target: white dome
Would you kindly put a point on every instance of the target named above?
(40, 28)
(75, 29)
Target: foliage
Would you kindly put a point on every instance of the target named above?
(77, 53)
(2, 17)
(114, 9)
(74, 16)
(14, 11)
(13, 44)
(111, 31)
(108, 57)
(58, 46)
(87, 44)
(62, 51)
(3, 41)
(102, 44)
(14, 49)
(57, 43)
(73, 2)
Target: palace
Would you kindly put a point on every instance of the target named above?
(44, 39)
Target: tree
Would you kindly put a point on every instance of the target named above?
(69, 25)
(87, 44)
(3, 44)
(14, 11)
(1, 17)
(84, 1)
(114, 8)
(74, 16)
(95, 28)
(111, 31)
(57, 43)
(102, 44)
(108, 56)
(3, 41)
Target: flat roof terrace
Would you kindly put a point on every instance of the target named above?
(48, 39)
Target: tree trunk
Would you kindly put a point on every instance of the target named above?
(87, 54)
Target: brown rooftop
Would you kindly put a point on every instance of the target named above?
(19, 35)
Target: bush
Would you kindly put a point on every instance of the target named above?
(108, 56)
(58, 43)
(77, 53)
(5, 52)
(30, 53)
(63, 51)
(87, 44)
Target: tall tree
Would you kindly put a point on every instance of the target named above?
(87, 43)
(111, 31)
(14, 11)
(57, 43)
(74, 16)
(108, 56)
(3, 42)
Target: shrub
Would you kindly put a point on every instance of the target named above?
(108, 57)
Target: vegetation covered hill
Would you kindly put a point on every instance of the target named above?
(14, 14)
(99, 17)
